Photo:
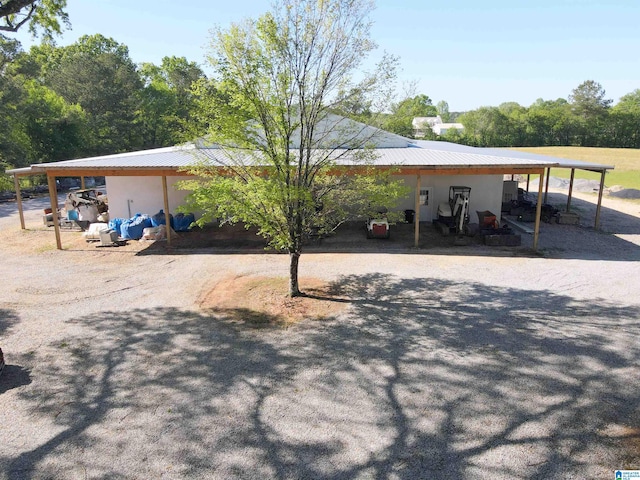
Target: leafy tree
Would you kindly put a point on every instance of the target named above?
(55, 129)
(443, 110)
(97, 73)
(550, 122)
(38, 124)
(167, 100)
(624, 119)
(279, 79)
(42, 16)
(402, 114)
(591, 107)
(485, 127)
(13, 142)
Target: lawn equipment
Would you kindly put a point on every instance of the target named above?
(453, 216)
(378, 226)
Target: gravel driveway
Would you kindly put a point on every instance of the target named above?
(442, 366)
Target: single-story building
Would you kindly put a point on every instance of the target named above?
(142, 181)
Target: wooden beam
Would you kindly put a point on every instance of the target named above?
(546, 185)
(468, 171)
(113, 172)
(53, 196)
(536, 228)
(16, 182)
(173, 172)
(573, 172)
(598, 208)
(416, 217)
(166, 209)
(82, 183)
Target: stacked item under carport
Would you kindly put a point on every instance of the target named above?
(495, 235)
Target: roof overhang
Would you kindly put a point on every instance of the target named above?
(422, 157)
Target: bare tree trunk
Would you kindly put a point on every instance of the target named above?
(294, 290)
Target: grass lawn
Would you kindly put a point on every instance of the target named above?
(626, 161)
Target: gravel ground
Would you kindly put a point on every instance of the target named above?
(446, 364)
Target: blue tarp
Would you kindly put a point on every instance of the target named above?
(133, 227)
(159, 219)
(115, 224)
(182, 222)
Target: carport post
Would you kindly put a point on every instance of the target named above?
(53, 196)
(528, 178)
(546, 188)
(16, 182)
(597, 222)
(416, 218)
(573, 172)
(82, 184)
(166, 209)
(536, 229)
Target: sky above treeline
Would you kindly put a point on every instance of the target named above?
(466, 52)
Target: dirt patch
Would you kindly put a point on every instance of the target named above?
(263, 301)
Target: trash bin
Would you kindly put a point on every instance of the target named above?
(409, 215)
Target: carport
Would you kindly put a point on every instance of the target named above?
(418, 159)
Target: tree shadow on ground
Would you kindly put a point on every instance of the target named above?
(422, 379)
(8, 320)
(555, 241)
(13, 376)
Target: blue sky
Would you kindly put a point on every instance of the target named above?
(469, 53)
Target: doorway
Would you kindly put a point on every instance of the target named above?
(426, 204)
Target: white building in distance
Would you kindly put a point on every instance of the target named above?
(420, 124)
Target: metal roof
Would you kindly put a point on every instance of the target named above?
(421, 153)
(512, 154)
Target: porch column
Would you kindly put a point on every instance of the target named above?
(16, 182)
(53, 196)
(166, 208)
(416, 218)
(597, 222)
(573, 171)
(546, 188)
(536, 229)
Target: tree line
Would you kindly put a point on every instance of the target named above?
(586, 118)
(88, 99)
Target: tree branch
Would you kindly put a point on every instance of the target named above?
(13, 7)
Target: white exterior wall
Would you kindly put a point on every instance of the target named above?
(486, 192)
(145, 194)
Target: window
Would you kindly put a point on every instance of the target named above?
(424, 196)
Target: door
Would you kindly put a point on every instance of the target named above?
(426, 204)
